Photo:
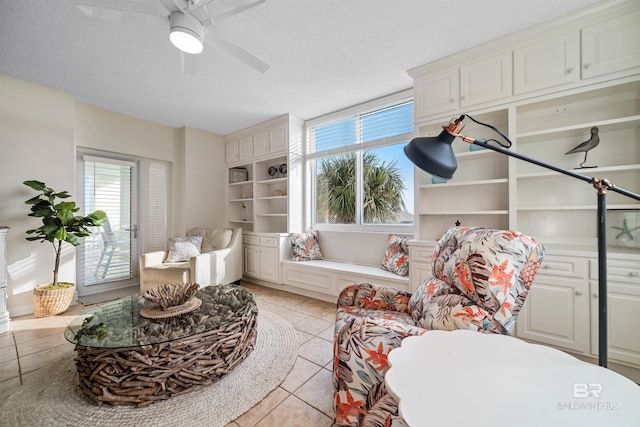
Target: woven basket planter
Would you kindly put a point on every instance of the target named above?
(49, 302)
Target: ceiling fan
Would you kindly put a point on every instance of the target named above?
(189, 22)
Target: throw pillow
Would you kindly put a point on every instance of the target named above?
(218, 238)
(396, 255)
(305, 246)
(183, 248)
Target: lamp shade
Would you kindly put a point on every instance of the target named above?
(186, 32)
(433, 155)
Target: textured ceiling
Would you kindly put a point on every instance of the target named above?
(324, 55)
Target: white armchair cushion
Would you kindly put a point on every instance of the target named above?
(213, 239)
(183, 248)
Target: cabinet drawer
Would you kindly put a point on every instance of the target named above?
(563, 266)
(617, 270)
(251, 240)
(271, 242)
(421, 254)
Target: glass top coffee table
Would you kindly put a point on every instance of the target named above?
(123, 358)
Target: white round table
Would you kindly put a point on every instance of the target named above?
(469, 378)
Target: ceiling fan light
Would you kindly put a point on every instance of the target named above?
(186, 32)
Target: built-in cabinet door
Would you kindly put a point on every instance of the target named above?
(623, 306)
(252, 260)
(261, 144)
(547, 63)
(232, 152)
(436, 93)
(270, 263)
(611, 46)
(556, 312)
(420, 254)
(245, 148)
(623, 337)
(278, 140)
(486, 80)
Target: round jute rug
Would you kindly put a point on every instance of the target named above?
(52, 397)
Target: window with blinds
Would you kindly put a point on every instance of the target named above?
(359, 172)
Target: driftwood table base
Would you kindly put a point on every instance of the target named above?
(142, 375)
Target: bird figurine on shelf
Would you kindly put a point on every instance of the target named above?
(586, 146)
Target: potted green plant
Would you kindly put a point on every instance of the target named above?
(59, 224)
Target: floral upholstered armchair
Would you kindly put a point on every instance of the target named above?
(480, 280)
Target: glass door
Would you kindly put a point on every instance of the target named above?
(109, 256)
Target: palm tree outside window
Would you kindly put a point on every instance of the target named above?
(360, 174)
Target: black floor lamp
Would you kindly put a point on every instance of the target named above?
(435, 156)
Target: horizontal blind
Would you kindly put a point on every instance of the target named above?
(156, 221)
(383, 126)
(106, 254)
(387, 123)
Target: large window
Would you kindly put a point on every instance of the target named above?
(359, 173)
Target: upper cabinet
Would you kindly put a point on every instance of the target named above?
(486, 80)
(611, 46)
(239, 150)
(474, 83)
(262, 141)
(436, 93)
(553, 62)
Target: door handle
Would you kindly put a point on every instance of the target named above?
(133, 230)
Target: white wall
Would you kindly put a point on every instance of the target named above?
(205, 196)
(40, 129)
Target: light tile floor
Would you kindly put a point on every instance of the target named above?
(304, 398)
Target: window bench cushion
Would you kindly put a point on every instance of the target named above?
(330, 277)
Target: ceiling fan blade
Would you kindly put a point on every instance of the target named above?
(189, 63)
(240, 54)
(173, 5)
(217, 18)
(100, 12)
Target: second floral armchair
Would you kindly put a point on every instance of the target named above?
(480, 280)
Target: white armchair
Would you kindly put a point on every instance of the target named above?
(214, 265)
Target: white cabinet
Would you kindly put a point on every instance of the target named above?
(261, 144)
(623, 306)
(270, 258)
(488, 79)
(556, 311)
(436, 93)
(278, 140)
(262, 256)
(245, 148)
(252, 256)
(473, 83)
(611, 46)
(232, 153)
(547, 63)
